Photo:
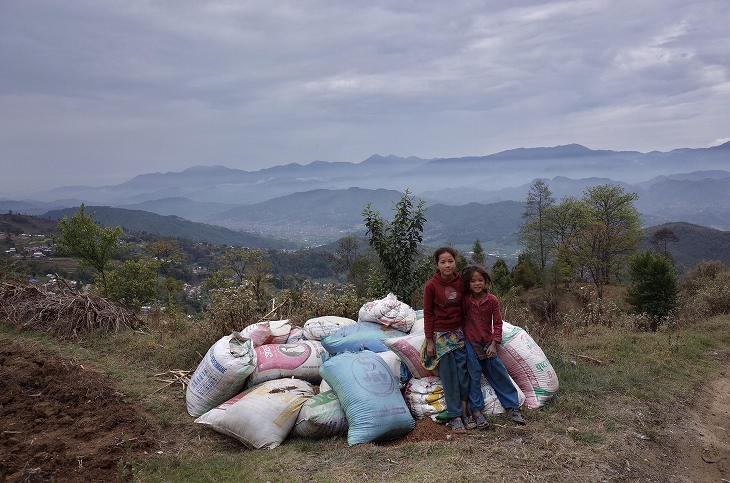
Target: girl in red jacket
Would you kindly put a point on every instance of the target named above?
(444, 344)
(483, 330)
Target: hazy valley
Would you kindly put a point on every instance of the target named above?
(295, 205)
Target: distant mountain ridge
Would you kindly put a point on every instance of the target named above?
(495, 171)
(318, 202)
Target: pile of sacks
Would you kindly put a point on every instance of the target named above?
(338, 376)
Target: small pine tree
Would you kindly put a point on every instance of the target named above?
(526, 272)
(478, 253)
(654, 286)
(501, 278)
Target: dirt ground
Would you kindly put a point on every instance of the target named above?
(62, 421)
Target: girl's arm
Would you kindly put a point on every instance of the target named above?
(428, 296)
(428, 303)
(492, 349)
(496, 320)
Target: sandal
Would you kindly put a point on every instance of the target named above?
(514, 415)
(457, 425)
(482, 422)
(469, 422)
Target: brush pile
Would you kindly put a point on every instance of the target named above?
(66, 314)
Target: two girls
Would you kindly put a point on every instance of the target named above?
(462, 325)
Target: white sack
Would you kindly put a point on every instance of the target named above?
(418, 324)
(425, 396)
(318, 327)
(221, 374)
(263, 416)
(321, 416)
(492, 405)
(388, 311)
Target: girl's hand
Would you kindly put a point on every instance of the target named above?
(492, 350)
(430, 349)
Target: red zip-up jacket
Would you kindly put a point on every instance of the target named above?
(483, 319)
(442, 305)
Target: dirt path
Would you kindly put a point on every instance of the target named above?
(704, 439)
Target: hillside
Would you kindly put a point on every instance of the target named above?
(171, 226)
(694, 244)
(16, 224)
(494, 224)
(313, 217)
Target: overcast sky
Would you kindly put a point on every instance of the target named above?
(96, 92)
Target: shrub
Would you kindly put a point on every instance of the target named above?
(706, 291)
(312, 302)
(233, 308)
(654, 286)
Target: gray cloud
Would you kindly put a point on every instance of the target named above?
(97, 92)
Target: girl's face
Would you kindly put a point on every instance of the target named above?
(477, 283)
(446, 265)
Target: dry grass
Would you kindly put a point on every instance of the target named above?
(622, 394)
(66, 314)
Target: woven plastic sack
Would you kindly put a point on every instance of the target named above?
(263, 416)
(268, 332)
(369, 394)
(388, 311)
(396, 366)
(408, 348)
(300, 359)
(321, 416)
(527, 364)
(221, 374)
(318, 327)
(492, 406)
(418, 325)
(425, 396)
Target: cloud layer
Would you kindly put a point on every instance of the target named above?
(95, 93)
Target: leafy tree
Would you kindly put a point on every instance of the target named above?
(609, 235)
(133, 284)
(501, 278)
(237, 262)
(477, 253)
(87, 242)
(662, 237)
(534, 231)
(526, 272)
(461, 261)
(397, 243)
(366, 275)
(166, 251)
(345, 255)
(654, 286)
(564, 223)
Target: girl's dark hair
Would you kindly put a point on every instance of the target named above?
(468, 272)
(441, 251)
